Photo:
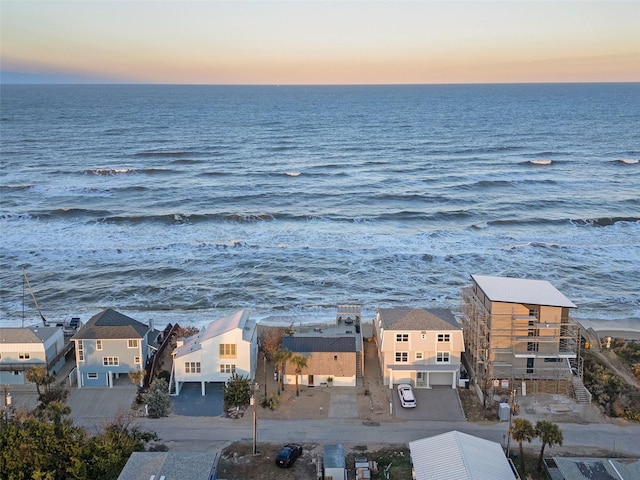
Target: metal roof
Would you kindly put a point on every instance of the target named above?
(238, 320)
(588, 468)
(458, 456)
(521, 290)
(319, 344)
(169, 465)
(333, 456)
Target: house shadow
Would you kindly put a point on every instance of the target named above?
(191, 402)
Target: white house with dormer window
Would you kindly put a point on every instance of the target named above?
(226, 346)
(417, 346)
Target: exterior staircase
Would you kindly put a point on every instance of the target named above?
(580, 392)
(173, 391)
(359, 370)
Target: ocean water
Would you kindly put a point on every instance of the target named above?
(185, 203)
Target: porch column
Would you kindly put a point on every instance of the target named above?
(428, 379)
(390, 379)
(79, 377)
(453, 380)
(202, 387)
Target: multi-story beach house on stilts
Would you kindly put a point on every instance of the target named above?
(519, 336)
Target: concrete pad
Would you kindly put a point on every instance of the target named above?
(439, 403)
(343, 403)
(101, 403)
(191, 402)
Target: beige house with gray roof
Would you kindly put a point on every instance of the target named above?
(23, 348)
(418, 346)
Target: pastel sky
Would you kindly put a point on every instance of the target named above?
(320, 42)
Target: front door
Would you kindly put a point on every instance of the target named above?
(310, 380)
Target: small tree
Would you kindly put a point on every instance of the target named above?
(137, 376)
(237, 391)
(299, 362)
(550, 434)
(271, 340)
(522, 430)
(157, 399)
(39, 376)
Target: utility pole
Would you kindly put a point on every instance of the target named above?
(254, 402)
(511, 397)
(265, 375)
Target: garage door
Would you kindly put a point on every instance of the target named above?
(440, 379)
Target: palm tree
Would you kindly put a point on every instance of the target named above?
(299, 361)
(522, 430)
(281, 357)
(550, 434)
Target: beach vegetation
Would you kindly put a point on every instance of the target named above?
(157, 399)
(45, 444)
(616, 397)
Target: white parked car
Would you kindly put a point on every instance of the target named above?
(407, 399)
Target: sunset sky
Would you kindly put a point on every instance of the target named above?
(319, 42)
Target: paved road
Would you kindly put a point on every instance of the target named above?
(197, 434)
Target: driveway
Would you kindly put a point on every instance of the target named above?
(95, 405)
(439, 403)
(191, 402)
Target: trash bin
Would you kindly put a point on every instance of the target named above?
(503, 412)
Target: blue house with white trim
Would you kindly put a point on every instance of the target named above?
(109, 345)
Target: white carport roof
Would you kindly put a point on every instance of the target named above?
(521, 290)
(458, 456)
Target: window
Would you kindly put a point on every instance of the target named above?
(530, 365)
(192, 367)
(136, 360)
(80, 351)
(402, 357)
(133, 343)
(16, 372)
(444, 337)
(92, 376)
(228, 350)
(442, 357)
(423, 335)
(418, 355)
(98, 344)
(402, 337)
(532, 346)
(227, 368)
(533, 312)
(108, 361)
(23, 356)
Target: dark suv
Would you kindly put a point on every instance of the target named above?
(288, 455)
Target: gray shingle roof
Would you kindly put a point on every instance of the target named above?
(35, 334)
(319, 344)
(417, 319)
(113, 325)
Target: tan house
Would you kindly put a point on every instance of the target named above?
(332, 360)
(518, 328)
(417, 346)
